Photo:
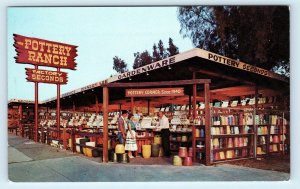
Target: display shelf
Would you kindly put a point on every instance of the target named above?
(231, 135)
(233, 148)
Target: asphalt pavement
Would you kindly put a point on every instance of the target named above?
(34, 162)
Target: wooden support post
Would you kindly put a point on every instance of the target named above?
(36, 105)
(97, 105)
(194, 101)
(148, 106)
(105, 123)
(207, 124)
(65, 140)
(20, 121)
(190, 102)
(132, 104)
(254, 123)
(58, 109)
(74, 107)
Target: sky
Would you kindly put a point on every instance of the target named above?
(100, 34)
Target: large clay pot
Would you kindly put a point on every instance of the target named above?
(183, 152)
(155, 150)
(217, 156)
(177, 161)
(188, 161)
(146, 151)
(120, 149)
(157, 139)
(88, 152)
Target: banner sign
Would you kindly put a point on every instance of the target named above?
(46, 76)
(154, 92)
(241, 65)
(44, 53)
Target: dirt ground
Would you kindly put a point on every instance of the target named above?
(274, 163)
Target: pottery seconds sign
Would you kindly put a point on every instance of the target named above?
(154, 92)
(46, 76)
(44, 53)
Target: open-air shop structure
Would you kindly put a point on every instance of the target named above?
(229, 110)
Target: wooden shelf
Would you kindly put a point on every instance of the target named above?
(174, 141)
(231, 135)
(200, 138)
(233, 148)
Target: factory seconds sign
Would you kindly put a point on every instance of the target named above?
(46, 76)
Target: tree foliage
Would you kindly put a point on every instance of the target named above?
(119, 65)
(155, 54)
(141, 59)
(172, 49)
(256, 35)
(161, 49)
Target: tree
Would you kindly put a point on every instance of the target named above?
(172, 49)
(256, 35)
(155, 54)
(162, 51)
(141, 59)
(119, 65)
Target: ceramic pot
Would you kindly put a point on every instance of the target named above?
(155, 150)
(146, 151)
(177, 161)
(182, 152)
(188, 161)
(120, 149)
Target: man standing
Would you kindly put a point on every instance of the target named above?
(122, 127)
(163, 124)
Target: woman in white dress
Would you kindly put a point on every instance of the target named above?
(130, 144)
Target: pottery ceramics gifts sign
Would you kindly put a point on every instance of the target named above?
(42, 52)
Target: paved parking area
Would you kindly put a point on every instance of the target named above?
(42, 163)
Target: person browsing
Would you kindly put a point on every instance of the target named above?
(163, 125)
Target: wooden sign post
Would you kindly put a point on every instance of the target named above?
(40, 52)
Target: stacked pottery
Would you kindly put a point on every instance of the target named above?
(183, 152)
(217, 156)
(119, 153)
(177, 161)
(146, 151)
(155, 148)
(230, 143)
(188, 161)
(229, 154)
(157, 139)
(222, 155)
